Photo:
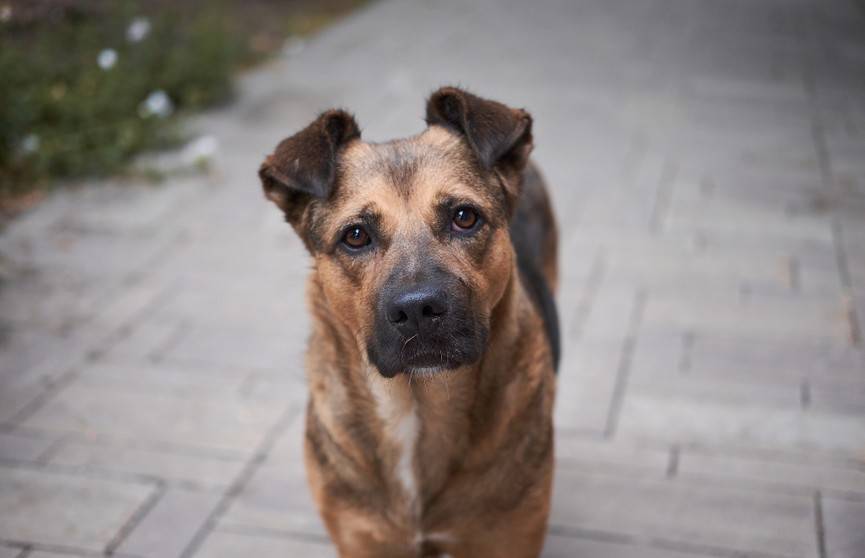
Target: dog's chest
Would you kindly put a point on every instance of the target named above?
(402, 432)
(406, 432)
(401, 429)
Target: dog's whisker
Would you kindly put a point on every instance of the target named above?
(412, 338)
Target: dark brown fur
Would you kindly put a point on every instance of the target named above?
(459, 462)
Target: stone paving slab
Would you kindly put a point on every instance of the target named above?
(845, 537)
(558, 546)
(705, 162)
(199, 471)
(16, 447)
(263, 505)
(223, 544)
(689, 419)
(64, 510)
(691, 515)
(228, 424)
(809, 476)
(170, 525)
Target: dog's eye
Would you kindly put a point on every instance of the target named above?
(356, 237)
(465, 218)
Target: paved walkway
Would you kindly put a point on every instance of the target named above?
(708, 166)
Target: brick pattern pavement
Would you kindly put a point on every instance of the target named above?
(708, 167)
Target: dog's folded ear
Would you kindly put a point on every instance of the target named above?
(303, 166)
(500, 136)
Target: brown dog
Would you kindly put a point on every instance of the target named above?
(431, 361)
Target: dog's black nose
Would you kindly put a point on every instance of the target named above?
(417, 310)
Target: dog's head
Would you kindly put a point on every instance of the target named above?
(410, 237)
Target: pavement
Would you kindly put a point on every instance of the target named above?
(707, 162)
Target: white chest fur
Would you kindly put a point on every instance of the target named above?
(402, 429)
(406, 432)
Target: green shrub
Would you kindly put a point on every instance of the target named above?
(64, 116)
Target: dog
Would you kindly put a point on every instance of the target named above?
(431, 362)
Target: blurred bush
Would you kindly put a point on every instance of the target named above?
(86, 85)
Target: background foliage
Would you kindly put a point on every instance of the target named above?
(63, 115)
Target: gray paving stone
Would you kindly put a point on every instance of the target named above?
(243, 302)
(663, 384)
(677, 395)
(175, 468)
(730, 520)
(833, 398)
(144, 342)
(44, 507)
(589, 372)
(233, 345)
(52, 554)
(264, 503)
(799, 472)
(572, 297)
(43, 302)
(843, 521)
(222, 544)
(754, 358)
(590, 365)
(170, 525)
(19, 447)
(287, 449)
(558, 546)
(233, 424)
(666, 265)
(197, 379)
(17, 395)
(169, 378)
(25, 347)
(10, 552)
(59, 251)
(693, 419)
(125, 309)
(765, 316)
(593, 454)
(744, 220)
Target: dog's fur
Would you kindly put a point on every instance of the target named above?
(441, 443)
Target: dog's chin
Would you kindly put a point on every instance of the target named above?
(391, 356)
(431, 364)
(423, 364)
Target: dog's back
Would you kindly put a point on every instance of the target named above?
(535, 240)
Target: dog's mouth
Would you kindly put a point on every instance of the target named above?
(393, 356)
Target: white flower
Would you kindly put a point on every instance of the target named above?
(200, 150)
(138, 29)
(293, 47)
(30, 144)
(158, 104)
(5, 13)
(107, 58)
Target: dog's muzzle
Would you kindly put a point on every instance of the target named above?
(424, 326)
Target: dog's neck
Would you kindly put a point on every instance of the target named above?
(413, 431)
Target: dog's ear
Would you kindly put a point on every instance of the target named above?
(500, 136)
(303, 166)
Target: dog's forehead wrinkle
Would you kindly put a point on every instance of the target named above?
(413, 170)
